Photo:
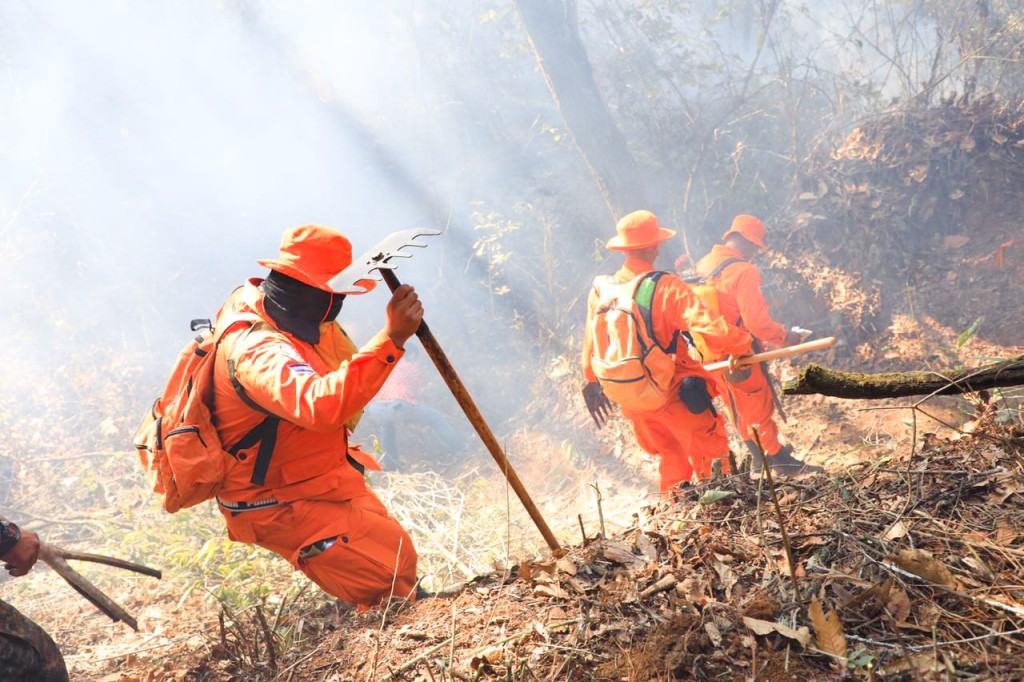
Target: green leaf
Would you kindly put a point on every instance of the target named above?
(860, 658)
(968, 333)
(712, 496)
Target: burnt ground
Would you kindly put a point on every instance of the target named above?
(900, 561)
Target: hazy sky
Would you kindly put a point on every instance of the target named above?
(153, 151)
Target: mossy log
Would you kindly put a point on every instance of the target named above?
(818, 379)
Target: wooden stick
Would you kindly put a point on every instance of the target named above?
(776, 354)
(465, 401)
(766, 470)
(600, 511)
(69, 555)
(55, 557)
(667, 582)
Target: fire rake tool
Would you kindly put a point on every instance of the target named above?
(354, 280)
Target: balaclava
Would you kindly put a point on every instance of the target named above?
(298, 308)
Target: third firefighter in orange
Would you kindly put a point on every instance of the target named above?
(746, 392)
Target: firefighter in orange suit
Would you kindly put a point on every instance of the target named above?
(747, 392)
(687, 433)
(296, 381)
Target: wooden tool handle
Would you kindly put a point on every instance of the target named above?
(787, 352)
(461, 394)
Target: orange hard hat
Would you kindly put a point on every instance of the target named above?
(638, 230)
(312, 254)
(747, 226)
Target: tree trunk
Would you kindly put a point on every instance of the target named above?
(817, 379)
(554, 37)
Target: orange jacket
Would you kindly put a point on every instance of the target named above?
(739, 295)
(675, 308)
(315, 390)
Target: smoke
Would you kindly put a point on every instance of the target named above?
(153, 152)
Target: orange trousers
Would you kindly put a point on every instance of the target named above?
(372, 558)
(685, 443)
(749, 403)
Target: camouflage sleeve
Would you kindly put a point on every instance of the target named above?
(26, 651)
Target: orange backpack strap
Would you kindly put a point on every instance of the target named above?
(643, 296)
(723, 265)
(264, 433)
(718, 270)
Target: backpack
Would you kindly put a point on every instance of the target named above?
(177, 443)
(708, 293)
(634, 370)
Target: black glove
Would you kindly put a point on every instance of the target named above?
(695, 395)
(598, 405)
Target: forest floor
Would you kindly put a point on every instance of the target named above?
(906, 556)
(901, 560)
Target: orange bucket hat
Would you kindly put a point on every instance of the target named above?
(747, 226)
(638, 230)
(312, 254)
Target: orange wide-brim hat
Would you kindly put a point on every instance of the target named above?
(638, 230)
(314, 255)
(747, 226)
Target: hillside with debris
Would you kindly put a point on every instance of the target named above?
(156, 151)
(900, 561)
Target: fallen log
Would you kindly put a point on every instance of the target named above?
(818, 379)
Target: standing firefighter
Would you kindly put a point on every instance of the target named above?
(747, 391)
(26, 651)
(668, 399)
(286, 392)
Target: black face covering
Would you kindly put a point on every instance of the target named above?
(298, 308)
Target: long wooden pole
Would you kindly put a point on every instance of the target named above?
(787, 352)
(465, 401)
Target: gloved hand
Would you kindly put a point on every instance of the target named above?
(734, 363)
(598, 405)
(796, 335)
(23, 556)
(792, 338)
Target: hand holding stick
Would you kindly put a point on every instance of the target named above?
(378, 260)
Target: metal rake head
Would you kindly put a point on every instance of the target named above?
(361, 276)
